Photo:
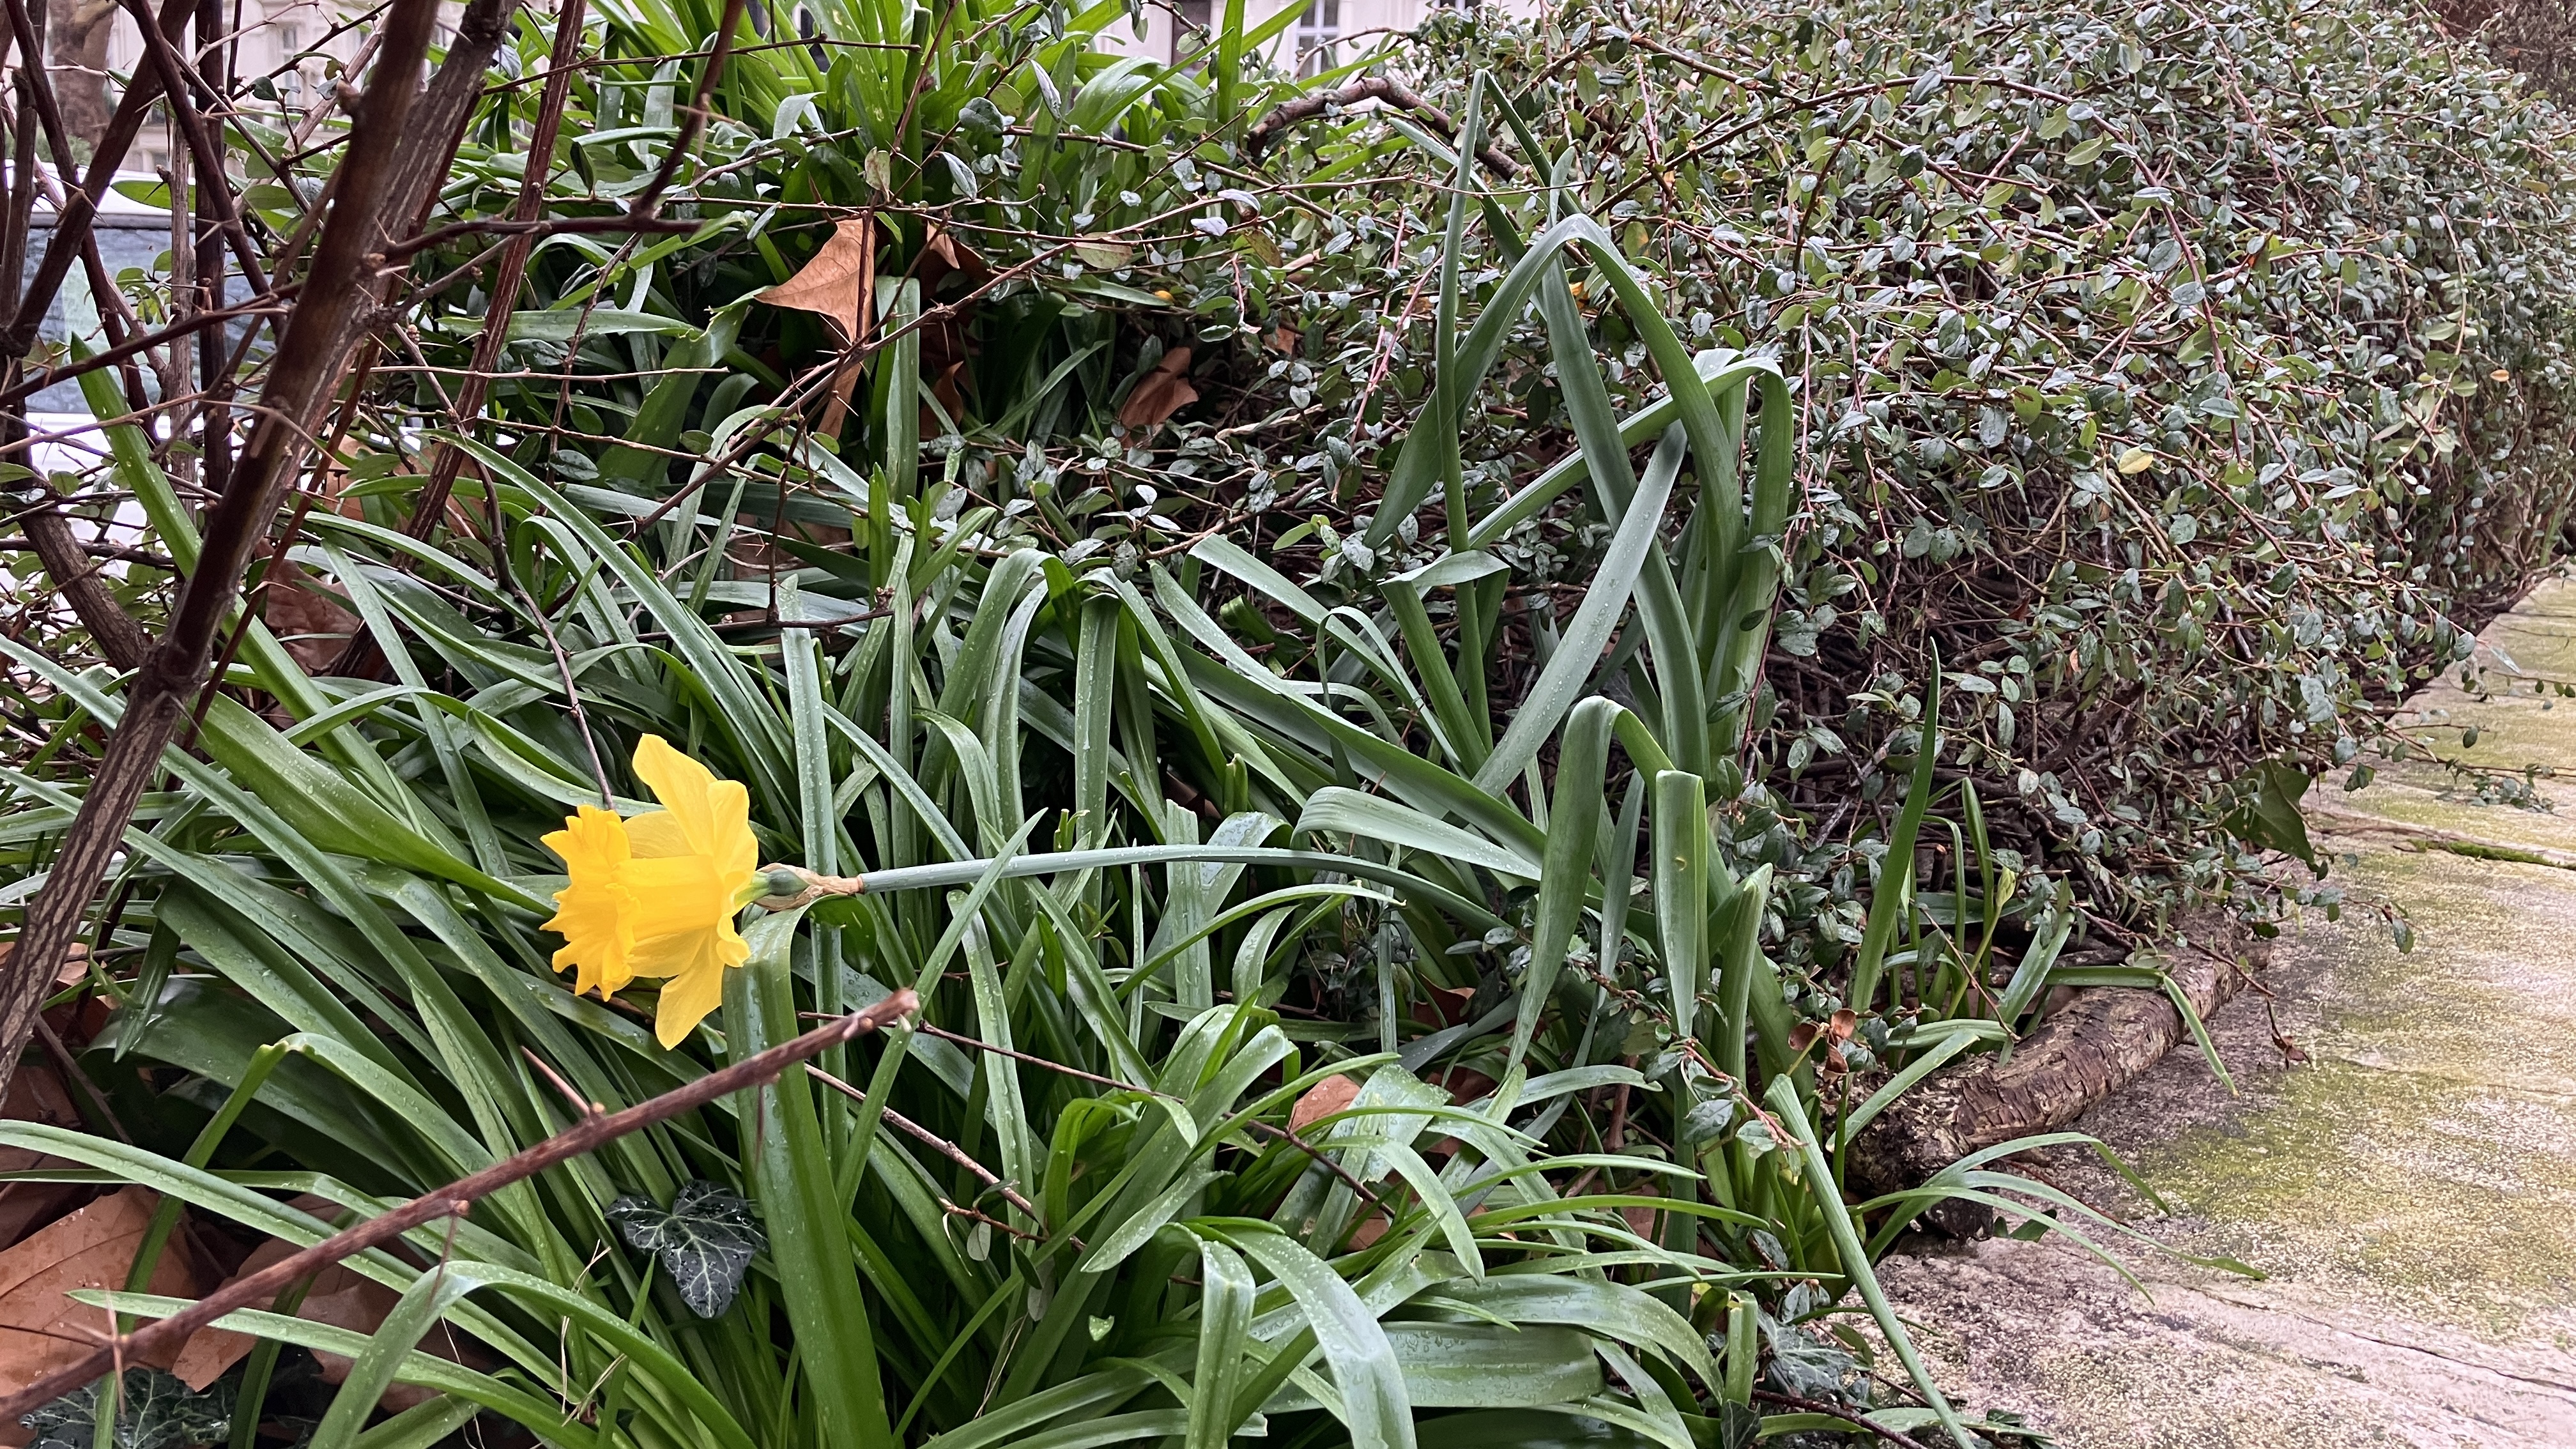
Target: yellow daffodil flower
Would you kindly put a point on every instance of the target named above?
(656, 895)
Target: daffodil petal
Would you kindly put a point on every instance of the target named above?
(687, 1000)
(685, 788)
(736, 851)
(681, 952)
(656, 896)
(660, 835)
(591, 837)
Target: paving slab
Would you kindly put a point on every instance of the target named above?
(2398, 1158)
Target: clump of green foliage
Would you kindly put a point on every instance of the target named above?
(1010, 179)
(2191, 380)
(1385, 846)
(1270, 1098)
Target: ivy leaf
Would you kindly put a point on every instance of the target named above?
(705, 1241)
(156, 1411)
(2269, 815)
(1809, 1368)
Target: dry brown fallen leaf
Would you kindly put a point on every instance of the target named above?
(40, 1329)
(1322, 1100)
(1838, 1028)
(1444, 1006)
(837, 280)
(1163, 392)
(837, 284)
(943, 256)
(300, 610)
(1366, 1232)
(37, 1094)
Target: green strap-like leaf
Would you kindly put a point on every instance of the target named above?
(1225, 1328)
(419, 1310)
(1604, 606)
(1375, 1407)
(1565, 873)
(1895, 892)
(801, 1204)
(1782, 1095)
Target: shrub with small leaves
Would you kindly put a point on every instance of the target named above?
(2192, 378)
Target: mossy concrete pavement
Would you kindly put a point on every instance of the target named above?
(2409, 1187)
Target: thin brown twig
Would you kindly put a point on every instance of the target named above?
(175, 99)
(989, 1220)
(255, 605)
(70, 1068)
(572, 695)
(533, 229)
(111, 552)
(648, 202)
(582, 1107)
(1843, 1412)
(1384, 89)
(934, 1142)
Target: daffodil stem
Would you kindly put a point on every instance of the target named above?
(791, 886)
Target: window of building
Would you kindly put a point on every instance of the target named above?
(1190, 26)
(1317, 30)
(290, 40)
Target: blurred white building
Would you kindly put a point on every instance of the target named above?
(1325, 34)
(286, 50)
(283, 54)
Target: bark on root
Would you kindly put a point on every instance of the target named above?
(2097, 1041)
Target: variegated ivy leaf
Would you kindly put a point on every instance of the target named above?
(705, 1241)
(155, 1411)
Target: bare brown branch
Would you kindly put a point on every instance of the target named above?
(312, 355)
(80, 205)
(1385, 90)
(513, 265)
(587, 1135)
